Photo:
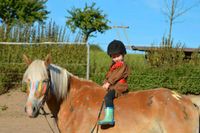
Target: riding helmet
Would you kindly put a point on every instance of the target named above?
(116, 47)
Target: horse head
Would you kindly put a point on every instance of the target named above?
(36, 80)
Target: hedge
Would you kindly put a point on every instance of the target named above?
(12, 67)
(183, 77)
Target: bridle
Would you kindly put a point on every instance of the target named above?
(49, 85)
(40, 106)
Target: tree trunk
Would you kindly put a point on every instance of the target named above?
(171, 23)
(85, 38)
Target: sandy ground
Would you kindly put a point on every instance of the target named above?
(13, 119)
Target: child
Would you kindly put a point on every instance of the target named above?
(115, 82)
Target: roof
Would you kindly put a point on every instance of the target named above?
(147, 48)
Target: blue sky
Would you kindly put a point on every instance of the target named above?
(146, 21)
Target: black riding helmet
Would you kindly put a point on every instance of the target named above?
(116, 47)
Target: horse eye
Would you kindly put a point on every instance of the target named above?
(45, 81)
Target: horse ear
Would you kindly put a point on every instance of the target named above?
(48, 60)
(27, 60)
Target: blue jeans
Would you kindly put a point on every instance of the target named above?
(109, 97)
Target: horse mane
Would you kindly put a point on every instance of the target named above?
(59, 80)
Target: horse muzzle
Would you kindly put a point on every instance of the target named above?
(31, 109)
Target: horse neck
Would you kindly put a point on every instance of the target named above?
(74, 84)
(53, 104)
(77, 86)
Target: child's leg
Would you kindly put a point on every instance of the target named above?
(109, 97)
(109, 110)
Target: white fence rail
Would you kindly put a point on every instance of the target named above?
(50, 43)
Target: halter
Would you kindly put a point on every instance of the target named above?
(47, 90)
(46, 97)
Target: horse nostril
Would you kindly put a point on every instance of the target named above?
(25, 109)
(34, 109)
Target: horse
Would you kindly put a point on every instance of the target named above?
(76, 103)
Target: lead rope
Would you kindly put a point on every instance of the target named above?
(96, 125)
(45, 115)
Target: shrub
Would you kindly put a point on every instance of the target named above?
(12, 67)
(182, 77)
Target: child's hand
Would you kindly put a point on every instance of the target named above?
(106, 85)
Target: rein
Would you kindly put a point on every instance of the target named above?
(45, 115)
(96, 125)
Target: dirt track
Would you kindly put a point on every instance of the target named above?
(14, 120)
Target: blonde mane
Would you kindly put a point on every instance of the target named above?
(59, 80)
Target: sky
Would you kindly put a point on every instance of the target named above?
(145, 19)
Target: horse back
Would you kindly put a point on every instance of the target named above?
(149, 111)
(157, 110)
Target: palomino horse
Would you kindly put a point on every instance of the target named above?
(76, 102)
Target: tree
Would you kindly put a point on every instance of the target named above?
(89, 20)
(22, 12)
(173, 11)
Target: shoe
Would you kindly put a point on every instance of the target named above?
(109, 117)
